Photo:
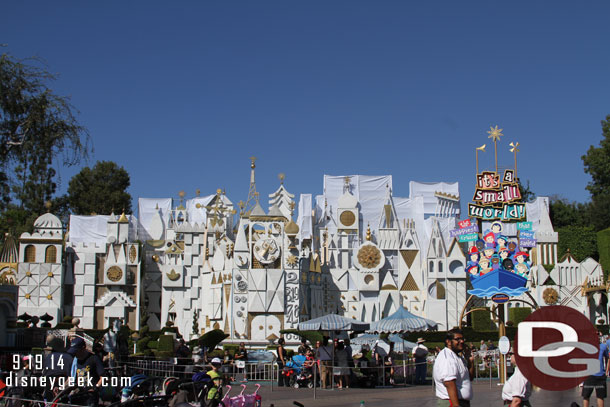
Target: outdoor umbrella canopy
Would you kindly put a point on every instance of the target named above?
(333, 322)
(401, 321)
(401, 345)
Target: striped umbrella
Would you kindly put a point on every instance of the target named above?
(401, 345)
(333, 322)
(402, 321)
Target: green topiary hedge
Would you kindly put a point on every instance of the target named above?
(481, 321)
(516, 315)
(580, 240)
(603, 247)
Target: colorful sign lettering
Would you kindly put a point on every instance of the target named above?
(463, 231)
(464, 223)
(470, 237)
(524, 226)
(507, 213)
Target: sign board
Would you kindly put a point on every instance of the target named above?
(464, 223)
(527, 234)
(524, 226)
(464, 230)
(470, 237)
(500, 298)
(497, 198)
(504, 345)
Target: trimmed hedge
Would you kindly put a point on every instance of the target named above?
(470, 335)
(516, 315)
(603, 247)
(481, 321)
(311, 336)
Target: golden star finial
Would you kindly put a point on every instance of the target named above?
(515, 147)
(482, 148)
(495, 133)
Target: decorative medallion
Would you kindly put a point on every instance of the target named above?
(155, 258)
(27, 296)
(114, 274)
(133, 253)
(49, 297)
(347, 218)
(50, 274)
(369, 256)
(172, 275)
(266, 251)
(242, 285)
(550, 296)
(28, 274)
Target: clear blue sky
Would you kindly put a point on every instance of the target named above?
(182, 93)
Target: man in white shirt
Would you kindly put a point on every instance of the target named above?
(517, 390)
(452, 373)
(420, 352)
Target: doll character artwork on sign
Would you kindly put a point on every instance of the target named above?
(495, 265)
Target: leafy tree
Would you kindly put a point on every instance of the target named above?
(527, 195)
(101, 189)
(597, 164)
(38, 132)
(565, 213)
(580, 240)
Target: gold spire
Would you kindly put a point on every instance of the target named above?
(252, 200)
(123, 218)
(368, 232)
(282, 177)
(48, 205)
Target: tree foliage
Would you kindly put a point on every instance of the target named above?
(597, 164)
(38, 133)
(580, 240)
(101, 189)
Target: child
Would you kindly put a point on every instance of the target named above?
(213, 393)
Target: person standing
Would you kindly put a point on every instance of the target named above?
(517, 390)
(282, 356)
(452, 372)
(303, 347)
(342, 366)
(420, 353)
(483, 347)
(597, 381)
(88, 366)
(324, 356)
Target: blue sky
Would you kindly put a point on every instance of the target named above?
(182, 93)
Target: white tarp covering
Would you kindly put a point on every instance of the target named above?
(304, 218)
(427, 190)
(413, 209)
(147, 207)
(370, 191)
(94, 229)
(198, 214)
(88, 229)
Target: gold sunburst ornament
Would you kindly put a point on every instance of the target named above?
(494, 134)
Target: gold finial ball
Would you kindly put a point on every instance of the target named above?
(252, 165)
(218, 191)
(282, 177)
(48, 205)
(181, 194)
(198, 192)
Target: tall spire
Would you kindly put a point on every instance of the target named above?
(252, 200)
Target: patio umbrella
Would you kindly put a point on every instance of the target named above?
(401, 321)
(332, 322)
(401, 345)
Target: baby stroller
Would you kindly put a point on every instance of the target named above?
(243, 400)
(300, 375)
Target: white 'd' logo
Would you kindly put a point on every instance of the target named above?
(567, 345)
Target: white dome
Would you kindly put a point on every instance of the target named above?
(48, 221)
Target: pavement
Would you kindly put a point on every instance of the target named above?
(485, 394)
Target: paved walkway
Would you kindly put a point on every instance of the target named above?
(419, 396)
